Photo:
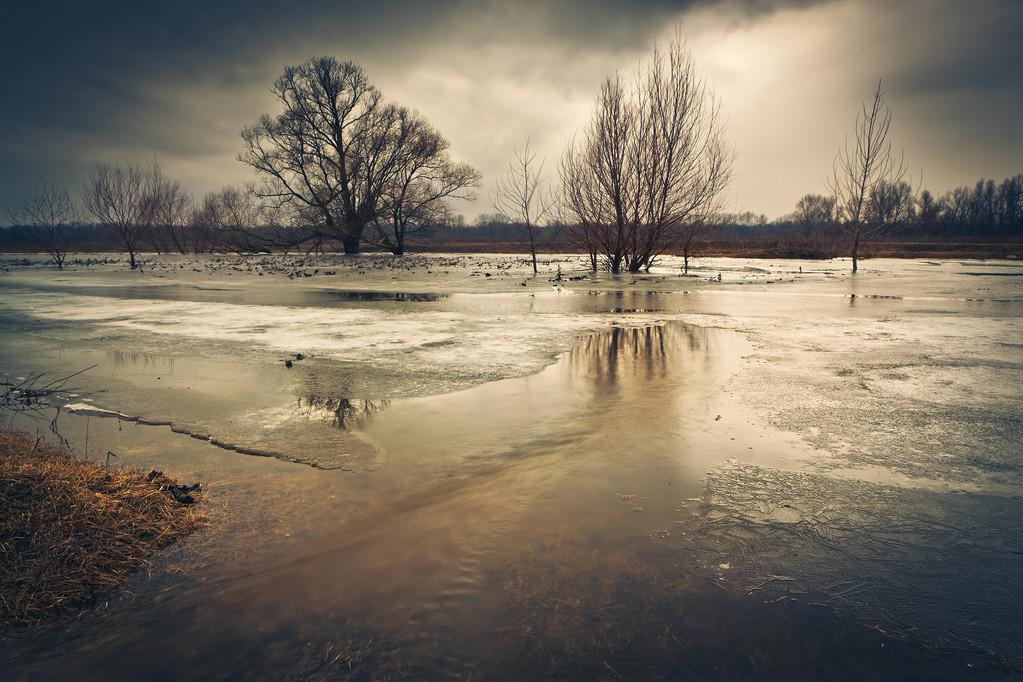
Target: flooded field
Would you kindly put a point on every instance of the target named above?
(445, 467)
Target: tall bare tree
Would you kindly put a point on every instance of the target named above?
(863, 170)
(330, 153)
(523, 196)
(652, 161)
(123, 198)
(416, 192)
(50, 211)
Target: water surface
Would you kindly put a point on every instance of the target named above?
(646, 477)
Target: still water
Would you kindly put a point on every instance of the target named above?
(513, 486)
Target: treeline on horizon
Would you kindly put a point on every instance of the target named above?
(339, 169)
(987, 212)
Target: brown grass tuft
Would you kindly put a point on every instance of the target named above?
(71, 530)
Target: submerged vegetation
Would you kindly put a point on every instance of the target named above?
(72, 530)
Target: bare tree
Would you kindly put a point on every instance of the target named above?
(232, 219)
(652, 161)
(815, 215)
(416, 192)
(928, 210)
(580, 206)
(815, 211)
(892, 204)
(523, 196)
(330, 153)
(171, 207)
(51, 213)
(123, 198)
(862, 171)
(687, 241)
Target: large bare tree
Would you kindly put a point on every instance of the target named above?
(50, 211)
(523, 196)
(122, 197)
(416, 192)
(331, 151)
(652, 161)
(864, 170)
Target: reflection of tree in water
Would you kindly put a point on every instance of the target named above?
(642, 351)
(130, 359)
(341, 413)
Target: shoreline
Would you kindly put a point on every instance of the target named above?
(73, 531)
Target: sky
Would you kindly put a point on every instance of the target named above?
(177, 81)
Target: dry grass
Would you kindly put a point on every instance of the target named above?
(72, 530)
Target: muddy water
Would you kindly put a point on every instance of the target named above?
(515, 528)
(622, 510)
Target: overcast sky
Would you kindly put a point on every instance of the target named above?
(90, 81)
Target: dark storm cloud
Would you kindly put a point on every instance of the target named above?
(108, 80)
(87, 81)
(974, 47)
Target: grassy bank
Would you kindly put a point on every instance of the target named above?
(72, 530)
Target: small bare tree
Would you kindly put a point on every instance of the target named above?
(416, 192)
(863, 171)
(50, 211)
(892, 205)
(171, 207)
(522, 196)
(687, 241)
(652, 163)
(229, 219)
(123, 198)
(814, 211)
(815, 215)
(580, 206)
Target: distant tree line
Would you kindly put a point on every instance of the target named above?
(229, 220)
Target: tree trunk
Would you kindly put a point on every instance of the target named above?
(855, 250)
(685, 262)
(350, 243)
(131, 259)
